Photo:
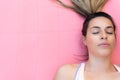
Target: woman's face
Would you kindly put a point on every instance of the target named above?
(100, 38)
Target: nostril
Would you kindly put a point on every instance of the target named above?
(104, 37)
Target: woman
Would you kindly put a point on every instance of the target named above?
(100, 38)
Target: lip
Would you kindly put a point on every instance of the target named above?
(104, 45)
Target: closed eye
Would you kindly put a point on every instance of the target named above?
(109, 30)
(95, 32)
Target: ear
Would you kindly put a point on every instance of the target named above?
(84, 40)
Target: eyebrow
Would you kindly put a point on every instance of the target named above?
(95, 27)
(99, 27)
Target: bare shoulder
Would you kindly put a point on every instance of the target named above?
(66, 72)
(111, 76)
(116, 76)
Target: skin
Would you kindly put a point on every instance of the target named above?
(100, 41)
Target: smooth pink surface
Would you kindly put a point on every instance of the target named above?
(38, 36)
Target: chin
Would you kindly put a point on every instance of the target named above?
(105, 53)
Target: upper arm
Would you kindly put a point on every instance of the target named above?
(61, 73)
(65, 72)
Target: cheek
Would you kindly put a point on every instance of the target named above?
(113, 40)
(91, 40)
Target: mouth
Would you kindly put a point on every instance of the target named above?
(104, 45)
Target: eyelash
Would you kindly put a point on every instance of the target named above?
(109, 32)
(106, 32)
(95, 33)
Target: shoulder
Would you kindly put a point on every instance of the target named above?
(114, 76)
(66, 72)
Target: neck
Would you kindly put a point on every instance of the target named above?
(99, 65)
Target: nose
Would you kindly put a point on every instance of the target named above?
(103, 35)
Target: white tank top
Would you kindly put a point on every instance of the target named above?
(80, 71)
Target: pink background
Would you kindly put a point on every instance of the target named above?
(38, 36)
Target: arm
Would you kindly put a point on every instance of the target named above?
(66, 72)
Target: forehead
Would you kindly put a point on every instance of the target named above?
(100, 21)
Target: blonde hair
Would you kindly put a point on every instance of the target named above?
(85, 7)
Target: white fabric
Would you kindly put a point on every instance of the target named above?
(80, 71)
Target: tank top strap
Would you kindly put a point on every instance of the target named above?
(79, 75)
(117, 67)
